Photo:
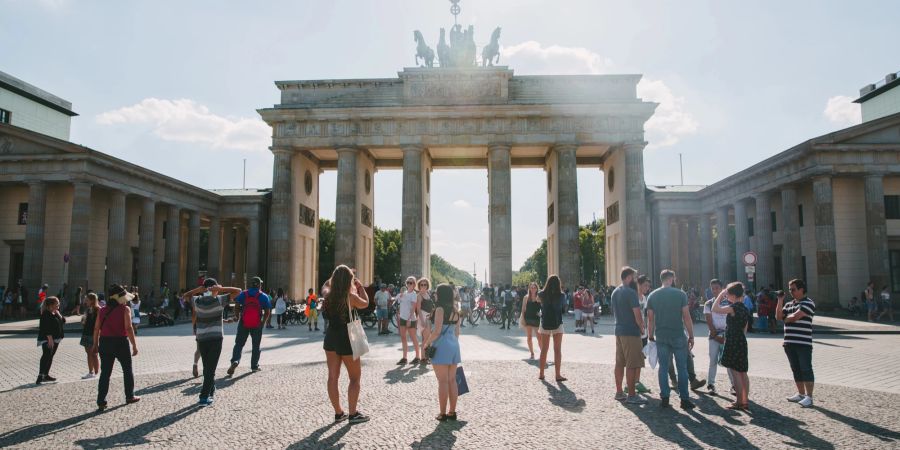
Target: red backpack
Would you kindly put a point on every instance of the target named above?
(251, 312)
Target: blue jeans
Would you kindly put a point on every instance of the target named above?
(800, 359)
(665, 348)
(241, 339)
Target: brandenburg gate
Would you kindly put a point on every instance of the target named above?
(477, 117)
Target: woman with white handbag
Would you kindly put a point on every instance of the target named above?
(347, 294)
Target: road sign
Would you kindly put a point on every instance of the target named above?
(750, 269)
(749, 259)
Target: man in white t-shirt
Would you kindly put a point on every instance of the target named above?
(716, 324)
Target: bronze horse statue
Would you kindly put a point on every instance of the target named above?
(423, 50)
(492, 50)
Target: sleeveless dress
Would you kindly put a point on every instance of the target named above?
(532, 313)
(735, 354)
(447, 345)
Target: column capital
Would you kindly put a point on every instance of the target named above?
(34, 182)
(499, 146)
(634, 145)
(762, 195)
(282, 150)
(347, 149)
(418, 148)
(565, 146)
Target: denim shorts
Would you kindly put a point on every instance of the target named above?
(381, 313)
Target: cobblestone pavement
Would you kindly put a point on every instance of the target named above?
(285, 405)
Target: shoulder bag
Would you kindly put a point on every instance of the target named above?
(358, 340)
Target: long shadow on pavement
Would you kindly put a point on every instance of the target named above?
(137, 435)
(862, 426)
(161, 387)
(314, 440)
(222, 383)
(405, 374)
(564, 398)
(25, 434)
(787, 426)
(442, 436)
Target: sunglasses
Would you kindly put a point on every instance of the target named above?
(410, 283)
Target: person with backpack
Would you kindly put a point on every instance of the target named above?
(508, 297)
(251, 310)
(209, 301)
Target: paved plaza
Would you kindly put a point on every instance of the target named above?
(285, 405)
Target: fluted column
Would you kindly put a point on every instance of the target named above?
(567, 214)
(227, 252)
(79, 237)
(173, 247)
(706, 259)
(193, 250)
(346, 208)
(146, 246)
(117, 249)
(741, 238)
(826, 293)
(765, 264)
(694, 251)
(412, 254)
(722, 253)
(791, 257)
(253, 249)
(635, 206)
(499, 218)
(876, 231)
(214, 255)
(280, 250)
(33, 259)
(240, 255)
(664, 243)
(684, 257)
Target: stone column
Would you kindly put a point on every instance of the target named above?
(146, 247)
(173, 247)
(826, 293)
(567, 215)
(694, 251)
(741, 238)
(227, 253)
(33, 258)
(253, 248)
(117, 250)
(876, 232)
(79, 237)
(345, 210)
(762, 228)
(412, 254)
(635, 206)
(280, 247)
(214, 257)
(664, 244)
(193, 250)
(791, 258)
(684, 258)
(706, 260)
(722, 245)
(499, 218)
(240, 256)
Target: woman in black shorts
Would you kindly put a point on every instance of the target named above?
(346, 292)
(530, 318)
(552, 300)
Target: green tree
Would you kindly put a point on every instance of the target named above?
(537, 263)
(522, 278)
(387, 255)
(444, 272)
(326, 250)
(592, 245)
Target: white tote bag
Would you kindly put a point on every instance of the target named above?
(358, 341)
(650, 353)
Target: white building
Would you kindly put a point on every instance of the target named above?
(880, 99)
(29, 107)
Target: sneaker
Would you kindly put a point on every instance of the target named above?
(40, 379)
(131, 400)
(340, 417)
(255, 369)
(49, 379)
(415, 361)
(401, 362)
(621, 396)
(101, 406)
(641, 389)
(88, 376)
(635, 400)
(697, 384)
(204, 401)
(358, 417)
(664, 402)
(711, 389)
(686, 404)
(195, 371)
(231, 368)
(796, 398)
(807, 402)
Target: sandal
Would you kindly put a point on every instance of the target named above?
(733, 407)
(441, 417)
(451, 416)
(561, 379)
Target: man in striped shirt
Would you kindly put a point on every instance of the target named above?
(798, 316)
(210, 301)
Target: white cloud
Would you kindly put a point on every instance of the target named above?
(669, 123)
(462, 204)
(841, 110)
(185, 120)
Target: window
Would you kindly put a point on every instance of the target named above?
(5, 116)
(774, 226)
(892, 206)
(800, 216)
(895, 270)
(750, 227)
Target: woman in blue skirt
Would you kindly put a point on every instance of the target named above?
(444, 337)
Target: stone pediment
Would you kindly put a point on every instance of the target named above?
(885, 130)
(15, 141)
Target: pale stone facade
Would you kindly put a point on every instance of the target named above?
(816, 211)
(29, 107)
(880, 99)
(449, 118)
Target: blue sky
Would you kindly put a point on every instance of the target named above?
(174, 86)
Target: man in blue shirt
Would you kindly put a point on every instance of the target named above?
(252, 309)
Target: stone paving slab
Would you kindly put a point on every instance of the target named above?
(286, 406)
